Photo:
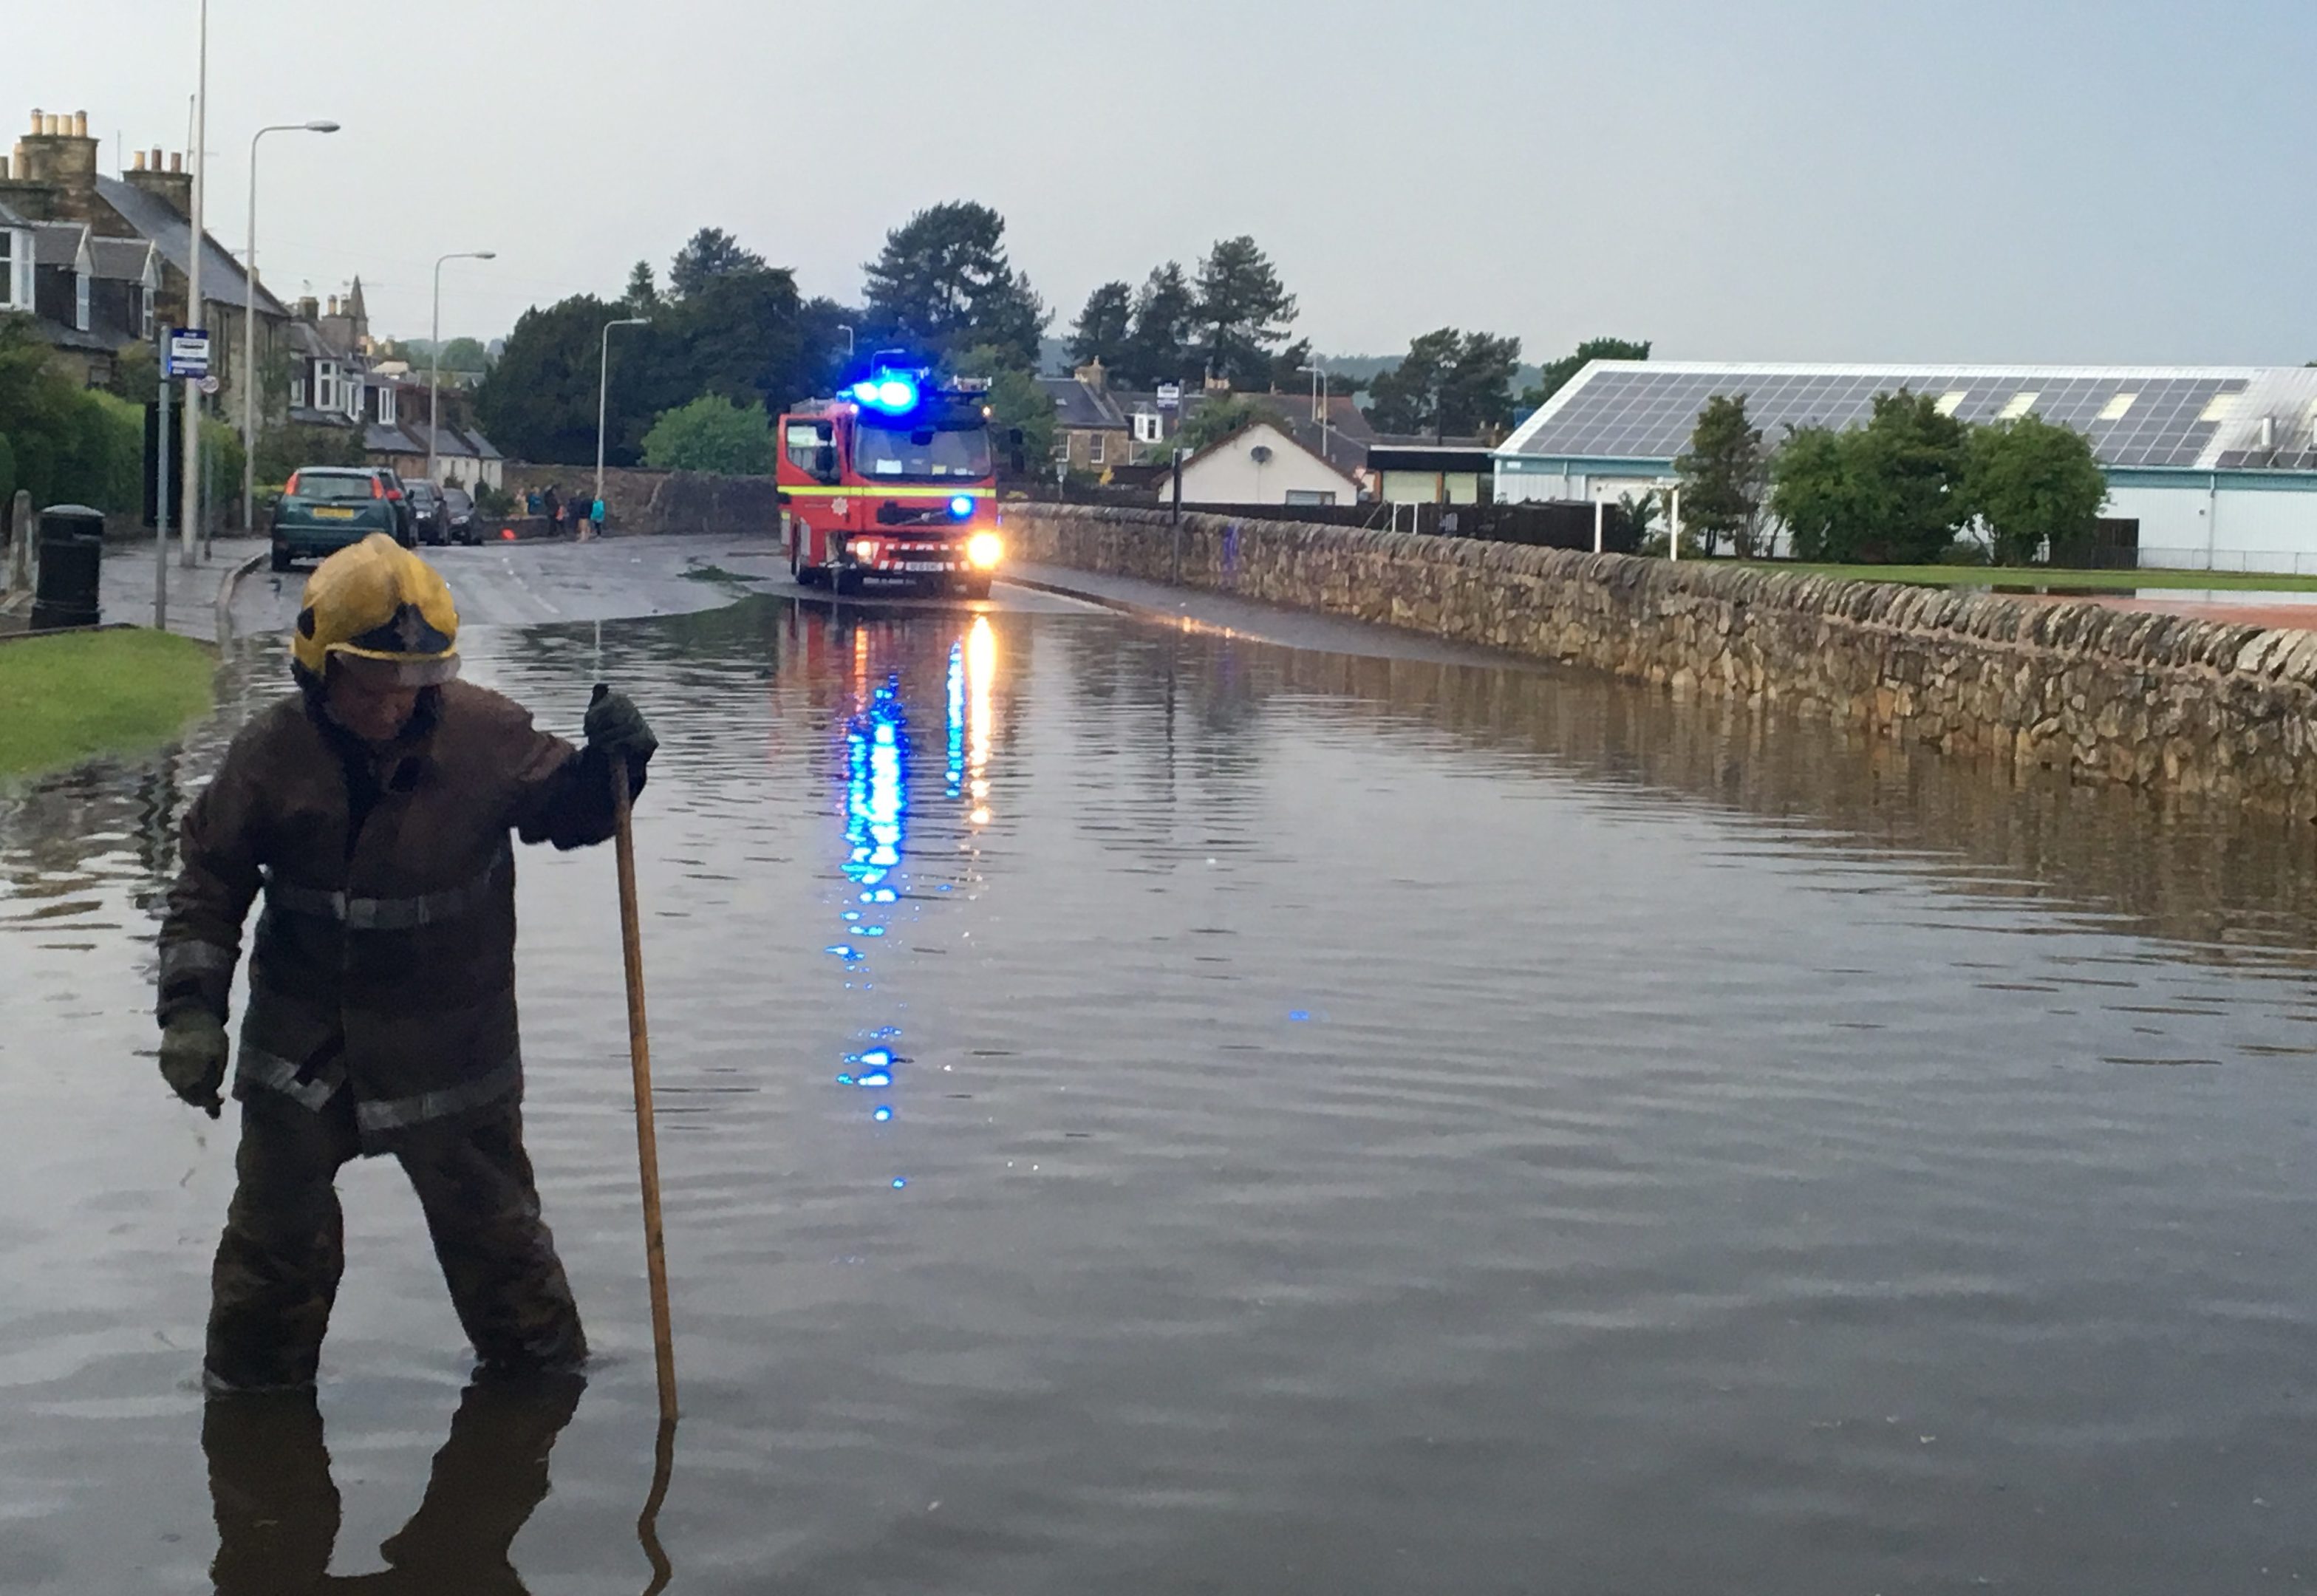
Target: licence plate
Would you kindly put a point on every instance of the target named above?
(921, 565)
(328, 515)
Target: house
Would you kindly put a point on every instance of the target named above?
(1275, 461)
(1425, 470)
(139, 287)
(335, 381)
(1091, 433)
(2208, 467)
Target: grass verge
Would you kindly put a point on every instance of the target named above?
(65, 699)
(2036, 579)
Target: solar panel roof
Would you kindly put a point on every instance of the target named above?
(2134, 417)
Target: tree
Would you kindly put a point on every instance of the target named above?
(642, 297)
(2037, 487)
(1554, 377)
(466, 354)
(1813, 490)
(1105, 327)
(1724, 475)
(1242, 313)
(711, 433)
(1157, 349)
(539, 401)
(1016, 402)
(943, 283)
(711, 253)
(1217, 418)
(1911, 460)
(282, 450)
(1448, 383)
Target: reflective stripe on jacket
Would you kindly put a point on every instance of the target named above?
(384, 957)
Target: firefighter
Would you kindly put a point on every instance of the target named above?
(373, 809)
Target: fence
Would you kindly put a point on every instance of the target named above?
(1549, 524)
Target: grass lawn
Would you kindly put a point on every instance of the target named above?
(63, 699)
(2055, 581)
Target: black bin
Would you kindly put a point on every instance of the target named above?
(71, 560)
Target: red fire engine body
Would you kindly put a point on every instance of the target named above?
(890, 485)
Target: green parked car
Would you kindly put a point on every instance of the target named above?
(326, 509)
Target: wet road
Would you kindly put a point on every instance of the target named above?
(1155, 1111)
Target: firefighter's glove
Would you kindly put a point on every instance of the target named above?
(615, 725)
(193, 1058)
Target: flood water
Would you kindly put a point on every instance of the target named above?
(1149, 1111)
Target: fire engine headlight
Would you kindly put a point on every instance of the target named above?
(985, 549)
(962, 506)
(865, 549)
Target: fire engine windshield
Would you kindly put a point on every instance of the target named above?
(922, 454)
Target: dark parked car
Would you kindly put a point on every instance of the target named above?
(326, 509)
(428, 522)
(459, 517)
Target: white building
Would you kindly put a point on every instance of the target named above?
(1263, 463)
(2208, 467)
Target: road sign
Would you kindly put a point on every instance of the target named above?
(189, 351)
(1171, 395)
(209, 384)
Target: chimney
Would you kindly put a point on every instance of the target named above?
(176, 161)
(309, 309)
(1093, 375)
(58, 155)
(172, 187)
(137, 156)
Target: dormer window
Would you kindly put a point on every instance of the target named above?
(11, 251)
(145, 311)
(80, 301)
(354, 397)
(325, 385)
(385, 411)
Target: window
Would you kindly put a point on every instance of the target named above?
(1310, 495)
(296, 393)
(80, 301)
(325, 385)
(9, 249)
(802, 443)
(1149, 426)
(2223, 407)
(145, 311)
(1094, 448)
(1949, 403)
(386, 410)
(352, 394)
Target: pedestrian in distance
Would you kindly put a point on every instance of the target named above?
(595, 517)
(554, 504)
(374, 807)
(531, 502)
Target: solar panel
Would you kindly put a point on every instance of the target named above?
(1648, 415)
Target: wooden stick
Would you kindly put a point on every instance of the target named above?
(639, 1055)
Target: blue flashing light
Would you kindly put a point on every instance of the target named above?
(893, 392)
(883, 1114)
(877, 1058)
(962, 505)
(874, 1078)
(898, 1182)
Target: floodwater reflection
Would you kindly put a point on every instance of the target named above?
(278, 1510)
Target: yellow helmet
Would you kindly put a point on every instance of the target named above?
(379, 604)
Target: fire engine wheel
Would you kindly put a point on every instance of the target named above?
(973, 588)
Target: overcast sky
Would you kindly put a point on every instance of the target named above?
(2102, 181)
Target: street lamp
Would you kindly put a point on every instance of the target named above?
(249, 325)
(603, 394)
(435, 351)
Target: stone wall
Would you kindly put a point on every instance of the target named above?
(663, 503)
(2159, 701)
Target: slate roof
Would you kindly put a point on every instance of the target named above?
(222, 281)
(120, 260)
(57, 243)
(1078, 405)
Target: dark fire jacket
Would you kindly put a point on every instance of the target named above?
(384, 957)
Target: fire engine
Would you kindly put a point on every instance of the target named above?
(891, 484)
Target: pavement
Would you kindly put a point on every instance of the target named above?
(125, 586)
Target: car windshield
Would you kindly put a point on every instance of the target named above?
(315, 485)
(456, 500)
(924, 454)
(420, 494)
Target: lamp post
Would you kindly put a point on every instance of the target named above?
(196, 320)
(603, 394)
(249, 325)
(435, 351)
